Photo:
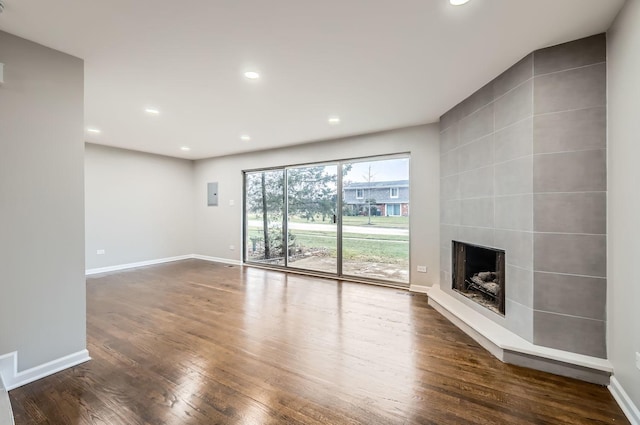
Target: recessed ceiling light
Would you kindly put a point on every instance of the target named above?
(245, 137)
(458, 2)
(185, 148)
(252, 75)
(93, 130)
(334, 120)
(152, 111)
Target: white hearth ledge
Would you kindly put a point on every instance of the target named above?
(502, 339)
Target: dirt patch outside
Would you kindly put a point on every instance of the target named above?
(375, 270)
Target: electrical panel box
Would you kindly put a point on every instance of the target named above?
(212, 194)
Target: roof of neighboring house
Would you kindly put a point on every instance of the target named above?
(376, 185)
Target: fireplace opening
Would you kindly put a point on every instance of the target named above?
(478, 274)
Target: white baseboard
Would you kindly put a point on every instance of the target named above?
(217, 259)
(160, 261)
(14, 379)
(421, 289)
(138, 264)
(626, 404)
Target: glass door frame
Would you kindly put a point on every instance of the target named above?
(337, 215)
(339, 222)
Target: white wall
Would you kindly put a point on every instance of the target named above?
(42, 285)
(219, 227)
(139, 206)
(624, 196)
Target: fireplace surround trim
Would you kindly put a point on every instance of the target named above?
(463, 258)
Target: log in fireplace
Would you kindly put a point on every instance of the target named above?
(478, 274)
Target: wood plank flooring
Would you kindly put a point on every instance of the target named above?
(194, 342)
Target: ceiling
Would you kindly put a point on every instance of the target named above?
(377, 64)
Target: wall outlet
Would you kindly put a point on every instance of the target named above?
(101, 252)
(422, 269)
(232, 247)
(232, 202)
(637, 360)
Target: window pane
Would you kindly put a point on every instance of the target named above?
(312, 202)
(264, 193)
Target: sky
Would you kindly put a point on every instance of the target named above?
(385, 170)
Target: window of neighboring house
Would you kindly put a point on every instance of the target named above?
(359, 193)
(394, 192)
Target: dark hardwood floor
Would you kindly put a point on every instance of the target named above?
(194, 342)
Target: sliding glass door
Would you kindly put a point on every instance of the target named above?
(312, 205)
(349, 218)
(375, 219)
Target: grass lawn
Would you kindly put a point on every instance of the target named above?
(394, 222)
(355, 246)
(391, 222)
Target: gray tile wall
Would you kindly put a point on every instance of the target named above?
(523, 167)
(569, 181)
(487, 185)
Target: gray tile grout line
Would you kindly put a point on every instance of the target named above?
(493, 182)
(533, 212)
(516, 302)
(571, 274)
(495, 99)
(569, 315)
(459, 173)
(562, 111)
(533, 271)
(568, 69)
(538, 232)
(533, 77)
(573, 151)
(522, 157)
(532, 232)
(522, 193)
(518, 157)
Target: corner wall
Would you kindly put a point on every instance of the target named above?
(139, 207)
(624, 200)
(221, 226)
(42, 286)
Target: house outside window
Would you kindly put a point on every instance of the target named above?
(380, 194)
